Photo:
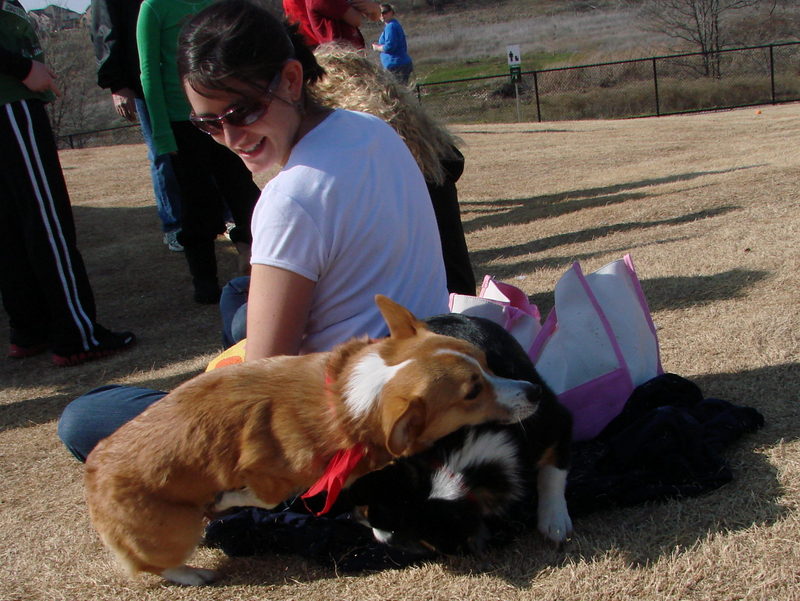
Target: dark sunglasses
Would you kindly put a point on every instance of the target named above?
(385, 12)
(240, 115)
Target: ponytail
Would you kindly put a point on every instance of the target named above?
(312, 70)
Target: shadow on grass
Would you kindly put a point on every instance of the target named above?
(668, 293)
(41, 410)
(483, 257)
(524, 210)
(680, 292)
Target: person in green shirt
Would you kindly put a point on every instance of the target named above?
(43, 281)
(209, 175)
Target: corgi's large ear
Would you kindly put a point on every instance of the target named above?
(401, 322)
(403, 422)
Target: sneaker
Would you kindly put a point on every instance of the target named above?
(229, 225)
(17, 351)
(110, 344)
(171, 240)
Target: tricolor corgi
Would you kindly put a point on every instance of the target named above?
(451, 497)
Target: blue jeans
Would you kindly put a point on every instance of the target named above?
(402, 73)
(233, 309)
(165, 186)
(96, 414)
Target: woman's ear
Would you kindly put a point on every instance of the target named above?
(292, 84)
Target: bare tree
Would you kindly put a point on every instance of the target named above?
(69, 53)
(699, 22)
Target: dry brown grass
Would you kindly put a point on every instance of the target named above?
(707, 204)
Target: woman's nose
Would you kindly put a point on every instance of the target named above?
(231, 134)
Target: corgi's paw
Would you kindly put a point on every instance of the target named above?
(556, 525)
(188, 576)
(554, 522)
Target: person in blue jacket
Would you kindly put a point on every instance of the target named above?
(392, 46)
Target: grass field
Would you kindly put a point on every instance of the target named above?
(708, 205)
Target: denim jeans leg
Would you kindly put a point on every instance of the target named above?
(402, 73)
(239, 324)
(233, 310)
(98, 413)
(165, 186)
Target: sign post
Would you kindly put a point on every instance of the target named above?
(515, 69)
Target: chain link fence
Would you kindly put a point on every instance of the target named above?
(110, 136)
(662, 85)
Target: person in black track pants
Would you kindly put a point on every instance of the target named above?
(45, 288)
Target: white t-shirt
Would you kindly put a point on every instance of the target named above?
(351, 212)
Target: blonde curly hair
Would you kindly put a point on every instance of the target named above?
(352, 81)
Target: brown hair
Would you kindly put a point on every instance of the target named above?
(241, 40)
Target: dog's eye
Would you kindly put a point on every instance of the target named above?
(474, 391)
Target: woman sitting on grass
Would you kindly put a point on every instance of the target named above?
(348, 215)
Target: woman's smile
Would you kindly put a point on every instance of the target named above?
(252, 150)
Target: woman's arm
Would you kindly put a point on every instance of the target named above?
(35, 75)
(148, 40)
(277, 311)
(368, 8)
(381, 41)
(352, 17)
(337, 10)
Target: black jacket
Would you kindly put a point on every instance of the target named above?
(114, 39)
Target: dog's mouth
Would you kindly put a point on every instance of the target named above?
(518, 398)
(518, 414)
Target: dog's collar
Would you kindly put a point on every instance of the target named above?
(332, 481)
(342, 463)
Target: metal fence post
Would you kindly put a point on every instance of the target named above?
(655, 87)
(772, 72)
(536, 94)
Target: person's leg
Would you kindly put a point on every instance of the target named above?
(165, 185)
(233, 310)
(238, 189)
(201, 211)
(457, 264)
(32, 181)
(402, 73)
(96, 414)
(239, 324)
(23, 299)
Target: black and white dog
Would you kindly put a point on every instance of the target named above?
(447, 498)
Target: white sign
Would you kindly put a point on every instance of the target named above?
(514, 55)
